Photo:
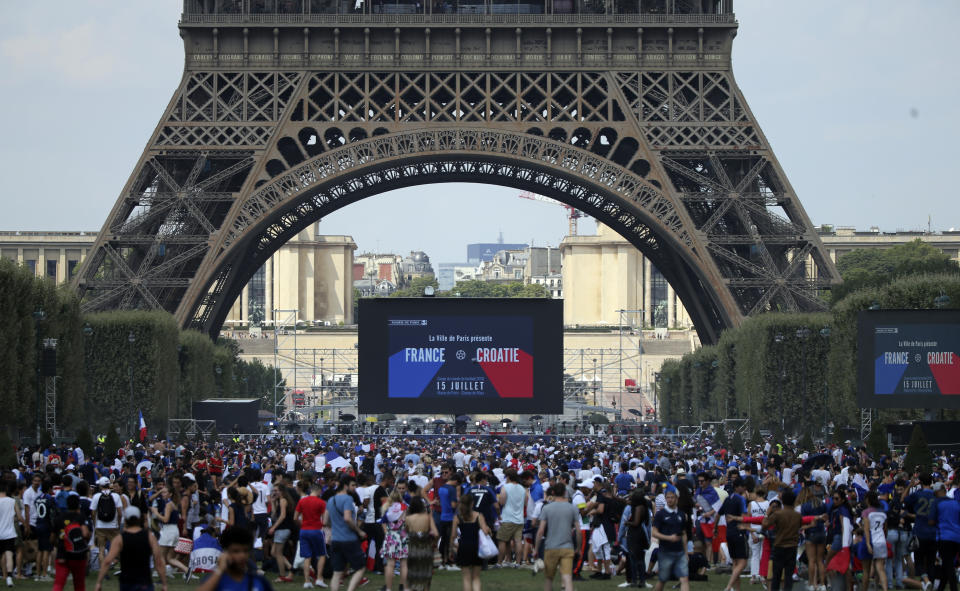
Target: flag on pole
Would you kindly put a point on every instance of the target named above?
(143, 427)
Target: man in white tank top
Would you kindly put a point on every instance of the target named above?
(757, 508)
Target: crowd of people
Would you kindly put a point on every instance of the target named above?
(328, 511)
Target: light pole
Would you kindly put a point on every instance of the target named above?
(778, 339)
(131, 339)
(825, 333)
(803, 333)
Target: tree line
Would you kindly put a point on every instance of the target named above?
(109, 365)
(797, 372)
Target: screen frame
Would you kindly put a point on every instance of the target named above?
(867, 321)
(373, 354)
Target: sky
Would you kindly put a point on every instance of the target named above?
(857, 98)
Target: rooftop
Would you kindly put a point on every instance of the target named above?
(700, 12)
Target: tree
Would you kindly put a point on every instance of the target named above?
(721, 439)
(416, 287)
(8, 458)
(778, 434)
(113, 442)
(806, 442)
(46, 440)
(737, 446)
(85, 440)
(877, 441)
(756, 438)
(918, 452)
(875, 267)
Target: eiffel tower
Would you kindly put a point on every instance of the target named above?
(291, 109)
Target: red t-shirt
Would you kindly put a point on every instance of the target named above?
(312, 509)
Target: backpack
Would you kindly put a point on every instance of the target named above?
(73, 540)
(106, 508)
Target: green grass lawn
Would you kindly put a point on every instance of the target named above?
(493, 580)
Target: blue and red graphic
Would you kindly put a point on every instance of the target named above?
(917, 359)
(443, 357)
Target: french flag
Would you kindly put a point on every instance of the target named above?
(143, 427)
(335, 460)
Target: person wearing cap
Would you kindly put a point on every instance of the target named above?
(106, 508)
(579, 501)
(134, 546)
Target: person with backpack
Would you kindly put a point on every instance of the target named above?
(46, 513)
(105, 509)
(73, 535)
(135, 546)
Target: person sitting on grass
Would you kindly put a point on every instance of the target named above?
(235, 571)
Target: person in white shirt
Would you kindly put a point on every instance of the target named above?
(8, 531)
(106, 507)
(30, 495)
(757, 508)
(259, 506)
(290, 462)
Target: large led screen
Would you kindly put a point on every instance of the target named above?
(909, 359)
(461, 356)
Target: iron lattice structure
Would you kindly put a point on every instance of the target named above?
(289, 110)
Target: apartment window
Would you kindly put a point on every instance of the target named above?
(32, 265)
(52, 269)
(518, 274)
(71, 268)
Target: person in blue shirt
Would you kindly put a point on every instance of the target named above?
(448, 495)
(670, 527)
(624, 481)
(734, 508)
(945, 515)
(235, 571)
(918, 506)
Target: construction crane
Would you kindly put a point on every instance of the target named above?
(573, 214)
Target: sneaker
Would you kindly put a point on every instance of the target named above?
(625, 584)
(285, 579)
(648, 585)
(537, 565)
(321, 584)
(9, 581)
(453, 567)
(363, 582)
(925, 586)
(308, 585)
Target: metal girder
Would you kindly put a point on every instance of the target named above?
(662, 147)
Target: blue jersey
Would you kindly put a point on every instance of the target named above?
(946, 514)
(920, 503)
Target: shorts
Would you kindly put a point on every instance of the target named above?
(43, 540)
(169, 534)
(600, 544)
(509, 531)
(102, 535)
(262, 524)
(817, 537)
(344, 553)
(671, 563)
(8, 545)
(280, 536)
(837, 543)
(312, 542)
(557, 557)
(738, 548)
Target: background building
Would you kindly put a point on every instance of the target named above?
(482, 252)
(55, 255)
(415, 266)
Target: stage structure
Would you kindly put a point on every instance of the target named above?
(291, 109)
